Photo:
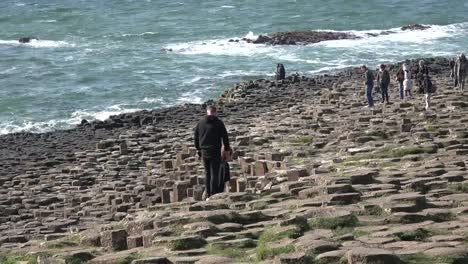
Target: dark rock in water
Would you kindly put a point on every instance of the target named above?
(386, 32)
(262, 39)
(311, 37)
(302, 37)
(27, 39)
(415, 27)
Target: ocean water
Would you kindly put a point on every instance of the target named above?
(98, 58)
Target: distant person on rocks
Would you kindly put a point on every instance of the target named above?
(421, 73)
(210, 136)
(428, 89)
(461, 70)
(383, 78)
(280, 72)
(452, 69)
(369, 82)
(400, 77)
(407, 83)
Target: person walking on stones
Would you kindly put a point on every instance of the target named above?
(369, 82)
(280, 72)
(383, 78)
(210, 136)
(452, 69)
(461, 69)
(407, 83)
(421, 73)
(428, 90)
(400, 77)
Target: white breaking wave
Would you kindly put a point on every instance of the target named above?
(28, 126)
(251, 35)
(140, 34)
(153, 100)
(193, 80)
(190, 97)
(380, 39)
(221, 47)
(7, 70)
(47, 21)
(227, 6)
(396, 35)
(225, 74)
(75, 119)
(79, 115)
(37, 43)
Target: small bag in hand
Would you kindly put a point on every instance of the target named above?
(226, 155)
(225, 171)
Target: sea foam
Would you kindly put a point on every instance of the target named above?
(37, 44)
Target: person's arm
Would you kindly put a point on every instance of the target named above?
(225, 137)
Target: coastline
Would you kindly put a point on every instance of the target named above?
(305, 149)
(57, 147)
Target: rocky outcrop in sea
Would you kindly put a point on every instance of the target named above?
(311, 37)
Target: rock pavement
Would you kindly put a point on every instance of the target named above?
(316, 178)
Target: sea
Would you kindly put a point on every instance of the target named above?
(96, 58)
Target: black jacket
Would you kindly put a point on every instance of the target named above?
(369, 77)
(209, 133)
(383, 77)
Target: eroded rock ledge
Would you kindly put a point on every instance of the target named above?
(304, 37)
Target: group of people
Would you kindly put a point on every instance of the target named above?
(459, 70)
(211, 137)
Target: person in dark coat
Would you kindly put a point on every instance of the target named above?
(421, 73)
(452, 68)
(428, 90)
(210, 136)
(280, 72)
(383, 78)
(400, 77)
(369, 83)
(461, 71)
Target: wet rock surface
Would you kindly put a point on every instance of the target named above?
(315, 176)
(305, 37)
(415, 27)
(301, 37)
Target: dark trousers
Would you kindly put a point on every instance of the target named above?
(213, 181)
(402, 96)
(370, 100)
(384, 91)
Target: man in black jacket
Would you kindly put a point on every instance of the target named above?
(210, 132)
(383, 78)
